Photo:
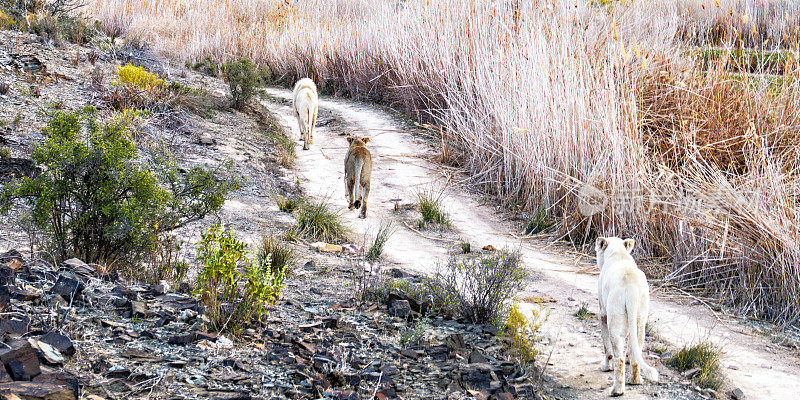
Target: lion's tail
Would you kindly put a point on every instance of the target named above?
(359, 164)
(632, 309)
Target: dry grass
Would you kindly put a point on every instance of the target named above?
(536, 98)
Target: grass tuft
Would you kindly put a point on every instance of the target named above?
(584, 314)
(538, 222)
(705, 356)
(385, 230)
(315, 220)
(288, 204)
(430, 206)
(281, 256)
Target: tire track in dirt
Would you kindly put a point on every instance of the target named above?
(574, 350)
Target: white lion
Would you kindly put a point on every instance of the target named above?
(624, 298)
(305, 109)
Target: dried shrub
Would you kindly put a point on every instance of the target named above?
(478, 288)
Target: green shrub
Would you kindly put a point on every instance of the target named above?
(706, 357)
(385, 230)
(6, 21)
(519, 334)
(94, 200)
(538, 222)
(244, 80)
(315, 220)
(478, 288)
(229, 305)
(206, 66)
(466, 247)
(430, 206)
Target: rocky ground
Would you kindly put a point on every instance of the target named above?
(79, 331)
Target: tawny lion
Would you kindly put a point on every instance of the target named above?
(305, 109)
(624, 299)
(357, 174)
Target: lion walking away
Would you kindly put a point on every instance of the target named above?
(357, 174)
(305, 109)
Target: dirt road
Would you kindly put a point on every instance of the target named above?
(761, 370)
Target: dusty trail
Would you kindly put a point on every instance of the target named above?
(761, 370)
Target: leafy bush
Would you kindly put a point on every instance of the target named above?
(478, 288)
(430, 206)
(280, 256)
(96, 202)
(6, 21)
(704, 356)
(229, 305)
(139, 77)
(385, 230)
(244, 79)
(315, 220)
(206, 66)
(518, 334)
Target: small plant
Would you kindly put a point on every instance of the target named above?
(315, 220)
(478, 288)
(466, 248)
(288, 204)
(385, 230)
(230, 305)
(658, 349)
(519, 334)
(415, 333)
(286, 154)
(7, 22)
(706, 357)
(243, 79)
(5, 152)
(538, 222)
(281, 257)
(430, 206)
(206, 66)
(584, 314)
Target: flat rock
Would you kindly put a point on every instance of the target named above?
(37, 390)
(67, 287)
(192, 337)
(60, 342)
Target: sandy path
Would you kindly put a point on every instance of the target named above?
(761, 370)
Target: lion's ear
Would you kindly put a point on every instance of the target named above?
(365, 140)
(350, 139)
(628, 244)
(600, 244)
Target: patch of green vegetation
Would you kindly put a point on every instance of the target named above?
(658, 349)
(286, 153)
(430, 206)
(415, 333)
(96, 201)
(466, 247)
(315, 220)
(538, 222)
(234, 290)
(705, 356)
(288, 204)
(206, 66)
(243, 79)
(385, 230)
(519, 334)
(584, 314)
(280, 256)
